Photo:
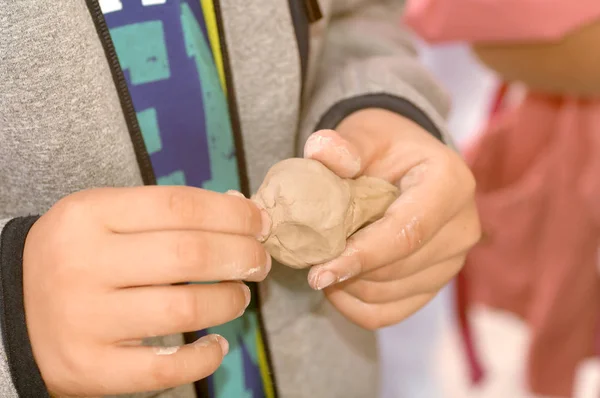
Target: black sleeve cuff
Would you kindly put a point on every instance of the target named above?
(24, 371)
(401, 106)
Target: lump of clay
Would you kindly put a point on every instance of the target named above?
(314, 211)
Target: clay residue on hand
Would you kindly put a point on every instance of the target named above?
(166, 350)
(314, 211)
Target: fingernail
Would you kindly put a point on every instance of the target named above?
(247, 295)
(329, 147)
(314, 144)
(224, 344)
(210, 339)
(266, 225)
(269, 263)
(325, 279)
(235, 193)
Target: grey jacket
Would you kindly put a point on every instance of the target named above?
(66, 124)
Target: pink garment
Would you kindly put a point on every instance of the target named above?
(498, 20)
(538, 173)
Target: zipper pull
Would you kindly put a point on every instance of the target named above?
(313, 10)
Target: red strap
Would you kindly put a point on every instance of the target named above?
(476, 370)
(498, 102)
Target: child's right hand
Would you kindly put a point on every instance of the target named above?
(98, 269)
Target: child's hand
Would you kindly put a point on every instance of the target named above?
(396, 265)
(98, 269)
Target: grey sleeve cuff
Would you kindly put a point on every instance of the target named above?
(400, 86)
(401, 106)
(19, 373)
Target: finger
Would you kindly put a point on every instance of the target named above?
(136, 369)
(155, 208)
(428, 281)
(443, 246)
(374, 140)
(235, 193)
(375, 316)
(182, 256)
(339, 155)
(426, 204)
(139, 313)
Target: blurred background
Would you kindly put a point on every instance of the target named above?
(424, 356)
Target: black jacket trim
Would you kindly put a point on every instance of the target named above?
(301, 24)
(24, 371)
(339, 111)
(129, 113)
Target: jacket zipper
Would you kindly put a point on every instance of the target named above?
(232, 102)
(135, 133)
(139, 146)
(313, 10)
(244, 182)
(301, 19)
(299, 13)
(304, 13)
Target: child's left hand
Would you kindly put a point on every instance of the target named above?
(396, 265)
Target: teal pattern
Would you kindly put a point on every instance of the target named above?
(184, 117)
(223, 163)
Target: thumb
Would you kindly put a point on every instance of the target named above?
(336, 153)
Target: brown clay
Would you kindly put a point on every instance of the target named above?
(314, 211)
